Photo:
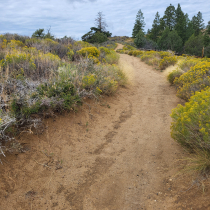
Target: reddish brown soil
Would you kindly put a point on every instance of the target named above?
(116, 154)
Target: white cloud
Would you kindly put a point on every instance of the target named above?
(75, 17)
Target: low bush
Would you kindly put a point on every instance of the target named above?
(111, 45)
(89, 52)
(112, 57)
(173, 75)
(190, 126)
(186, 62)
(153, 62)
(104, 50)
(29, 63)
(196, 79)
(135, 53)
(167, 61)
(128, 47)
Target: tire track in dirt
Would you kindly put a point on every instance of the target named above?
(109, 136)
(100, 167)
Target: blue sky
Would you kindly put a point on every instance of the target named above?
(75, 17)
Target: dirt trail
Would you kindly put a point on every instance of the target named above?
(112, 155)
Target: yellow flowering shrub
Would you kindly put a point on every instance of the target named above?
(196, 79)
(104, 50)
(128, 47)
(120, 51)
(81, 44)
(189, 61)
(173, 75)
(146, 57)
(153, 62)
(135, 52)
(112, 57)
(35, 64)
(15, 44)
(89, 52)
(167, 61)
(88, 81)
(3, 45)
(160, 59)
(164, 54)
(191, 123)
(70, 54)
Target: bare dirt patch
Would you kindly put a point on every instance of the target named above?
(113, 154)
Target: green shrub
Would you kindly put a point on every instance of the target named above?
(173, 75)
(194, 45)
(146, 58)
(112, 57)
(128, 47)
(54, 96)
(191, 123)
(104, 50)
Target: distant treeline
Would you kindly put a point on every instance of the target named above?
(174, 31)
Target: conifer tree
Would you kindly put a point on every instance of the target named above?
(154, 33)
(170, 40)
(139, 24)
(208, 28)
(140, 40)
(180, 25)
(170, 17)
(198, 24)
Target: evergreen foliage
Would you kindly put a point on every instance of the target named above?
(97, 34)
(170, 17)
(39, 33)
(140, 39)
(170, 40)
(194, 45)
(180, 26)
(139, 24)
(175, 31)
(154, 33)
(198, 24)
(208, 28)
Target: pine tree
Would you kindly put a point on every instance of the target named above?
(154, 33)
(39, 33)
(139, 24)
(180, 26)
(170, 17)
(206, 36)
(198, 24)
(140, 39)
(170, 40)
(194, 45)
(208, 28)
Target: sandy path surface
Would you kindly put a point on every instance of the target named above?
(116, 154)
